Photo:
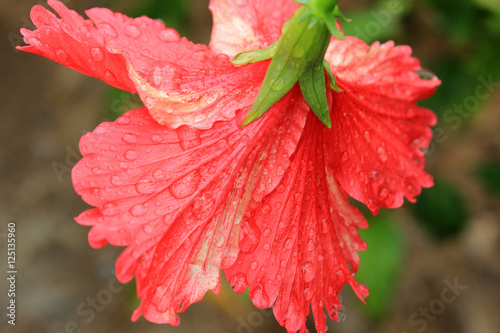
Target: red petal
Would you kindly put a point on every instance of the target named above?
(308, 238)
(179, 82)
(378, 131)
(197, 88)
(176, 198)
(248, 25)
(77, 44)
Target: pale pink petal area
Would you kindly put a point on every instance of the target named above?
(208, 89)
(76, 43)
(375, 144)
(244, 25)
(305, 241)
(176, 198)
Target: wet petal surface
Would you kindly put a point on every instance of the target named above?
(176, 198)
(243, 25)
(306, 235)
(374, 147)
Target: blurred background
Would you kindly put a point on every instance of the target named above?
(431, 267)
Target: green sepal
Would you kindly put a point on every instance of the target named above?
(333, 29)
(312, 85)
(338, 14)
(296, 50)
(330, 21)
(280, 78)
(298, 56)
(331, 79)
(249, 57)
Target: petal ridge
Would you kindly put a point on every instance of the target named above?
(299, 266)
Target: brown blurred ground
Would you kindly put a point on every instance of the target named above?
(45, 108)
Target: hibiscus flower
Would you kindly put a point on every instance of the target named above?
(191, 193)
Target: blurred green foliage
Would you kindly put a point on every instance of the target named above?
(489, 175)
(441, 210)
(380, 264)
(462, 37)
(174, 13)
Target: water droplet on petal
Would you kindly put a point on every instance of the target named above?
(110, 209)
(97, 54)
(308, 271)
(219, 240)
(266, 209)
(254, 265)
(310, 245)
(115, 180)
(156, 138)
(186, 186)
(382, 153)
(138, 210)
(377, 178)
(239, 282)
(169, 35)
(133, 31)
(148, 229)
(308, 294)
(259, 297)
(363, 290)
(249, 237)
(109, 76)
(211, 170)
(107, 29)
(341, 314)
(203, 206)
(145, 186)
(131, 155)
(158, 174)
(100, 129)
(289, 243)
(383, 194)
(200, 56)
(129, 138)
(61, 55)
(123, 120)
(189, 137)
(426, 74)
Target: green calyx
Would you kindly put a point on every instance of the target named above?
(298, 56)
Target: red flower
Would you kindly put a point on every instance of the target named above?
(190, 193)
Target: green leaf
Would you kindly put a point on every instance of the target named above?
(312, 85)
